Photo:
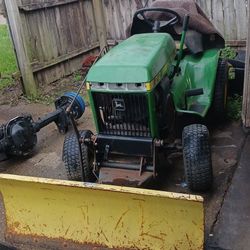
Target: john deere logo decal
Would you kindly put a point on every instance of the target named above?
(118, 104)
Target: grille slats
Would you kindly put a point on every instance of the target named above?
(122, 114)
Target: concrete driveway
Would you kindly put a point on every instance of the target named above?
(227, 141)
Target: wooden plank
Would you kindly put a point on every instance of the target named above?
(218, 15)
(88, 22)
(45, 5)
(236, 43)
(18, 37)
(118, 19)
(100, 22)
(241, 19)
(74, 63)
(246, 91)
(38, 66)
(230, 20)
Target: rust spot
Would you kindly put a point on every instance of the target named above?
(136, 199)
(46, 189)
(164, 234)
(123, 177)
(27, 228)
(16, 224)
(189, 242)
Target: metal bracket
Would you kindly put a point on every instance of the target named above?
(106, 152)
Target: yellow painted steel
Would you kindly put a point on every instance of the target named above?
(111, 216)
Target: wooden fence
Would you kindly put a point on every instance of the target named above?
(1, 7)
(229, 16)
(51, 37)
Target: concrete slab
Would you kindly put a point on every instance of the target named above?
(232, 228)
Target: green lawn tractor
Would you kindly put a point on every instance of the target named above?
(138, 91)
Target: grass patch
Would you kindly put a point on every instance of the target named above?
(7, 58)
(234, 107)
(228, 53)
(77, 76)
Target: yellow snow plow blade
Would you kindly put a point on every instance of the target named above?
(102, 216)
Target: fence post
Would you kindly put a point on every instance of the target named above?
(246, 93)
(18, 38)
(100, 23)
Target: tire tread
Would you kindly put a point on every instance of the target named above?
(71, 158)
(197, 157)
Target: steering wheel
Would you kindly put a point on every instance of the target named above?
(157, 25)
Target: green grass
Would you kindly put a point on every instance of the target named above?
(7, 58)
(228, 53)
(234, 107)
(77, 77)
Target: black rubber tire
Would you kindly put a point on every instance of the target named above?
(219, 105)
(71, 158)
(197, 157)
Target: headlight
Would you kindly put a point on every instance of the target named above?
(118, 86)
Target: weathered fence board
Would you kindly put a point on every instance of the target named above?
(246, 93)
(21, 48)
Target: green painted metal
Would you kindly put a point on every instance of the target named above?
(136, 60)
(196, 72)
(183, 37)
(92, 105)
(152, 115)
(142, 57)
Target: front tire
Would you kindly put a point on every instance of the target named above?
(71, 158)
(197, 157)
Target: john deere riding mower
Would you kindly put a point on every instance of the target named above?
(137, 92)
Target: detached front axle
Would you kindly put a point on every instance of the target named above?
(18, 137)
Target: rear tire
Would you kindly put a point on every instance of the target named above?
(219, 105)
(72, 161)
(197, 157)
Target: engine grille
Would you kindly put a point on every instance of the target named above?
(122, 114)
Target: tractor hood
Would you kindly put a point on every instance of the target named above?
(136, 60)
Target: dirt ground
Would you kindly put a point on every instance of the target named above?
(226, 139)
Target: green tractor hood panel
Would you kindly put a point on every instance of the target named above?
(136, 60)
